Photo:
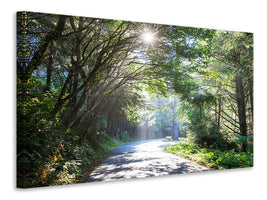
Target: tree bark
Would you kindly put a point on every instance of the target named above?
(241, 106)
(49, 73)
(250, 80)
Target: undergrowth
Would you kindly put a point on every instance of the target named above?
(47, 153)
(211, 158)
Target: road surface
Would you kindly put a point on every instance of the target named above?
(142, 159)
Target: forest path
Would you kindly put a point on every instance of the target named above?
(142, 159)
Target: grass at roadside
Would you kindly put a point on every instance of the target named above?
(211, 158)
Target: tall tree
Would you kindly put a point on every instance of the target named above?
(235, 50)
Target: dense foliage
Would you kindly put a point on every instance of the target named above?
(86, 85)
(48, 154)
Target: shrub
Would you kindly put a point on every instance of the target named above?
(212, 158)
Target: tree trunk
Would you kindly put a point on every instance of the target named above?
(219, 113)
(74, 86)
(175, 129)
(75, 111)
(250, 80)
(219, 109)
(241, 106)
(175, 123)
(49, 72)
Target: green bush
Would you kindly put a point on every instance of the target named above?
(212, 158)
(38, 136)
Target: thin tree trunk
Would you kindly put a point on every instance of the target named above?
(75, 111)
(219, 113)
(251, 102)
(175, 122)
(49, 72)
(241, 106)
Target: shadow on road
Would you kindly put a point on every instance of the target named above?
(142, 159)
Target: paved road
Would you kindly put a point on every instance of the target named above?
(142, 159)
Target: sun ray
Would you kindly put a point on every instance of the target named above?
(148, 37)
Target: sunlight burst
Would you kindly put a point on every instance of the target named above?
(148, 37)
